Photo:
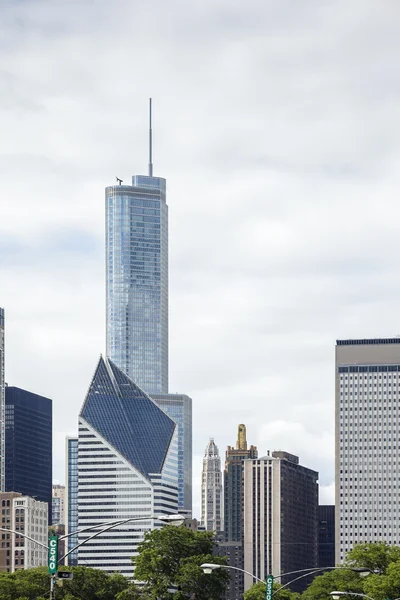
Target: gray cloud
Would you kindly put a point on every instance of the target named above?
(277, 128)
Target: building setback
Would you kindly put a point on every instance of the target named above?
(367, 442)
(29, 440)
(71, 498)
(127, 466)
(2, 403)
(29, 516)
(233, 510)
(326, 535)
(179, 408)
(280, 518)
(211, 489)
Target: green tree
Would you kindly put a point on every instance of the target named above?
(257, 592)
(338, 579)
(171, 557)
(376, 557)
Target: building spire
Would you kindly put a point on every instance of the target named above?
(241, 443)
(150, 143)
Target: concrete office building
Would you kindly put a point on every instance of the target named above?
(2, 403)
(29, 445)
(127, 466)
(211, 489)
(71, 498)
(233, 510)
(280, 518)
(367, 443)
(58, 505)
(179, 408)
(28, 516)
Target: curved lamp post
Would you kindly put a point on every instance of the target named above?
(174, 519)
(337, 595)
(362, 571)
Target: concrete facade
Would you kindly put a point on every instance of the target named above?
(367, 442)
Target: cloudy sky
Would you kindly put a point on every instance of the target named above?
(277, 127)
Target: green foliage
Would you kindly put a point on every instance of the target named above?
(376, 557)
(339, 579)
(171, 557)
(257, 592)
(90, 584)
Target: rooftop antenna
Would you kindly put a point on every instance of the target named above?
(150, 143)
(119, 181)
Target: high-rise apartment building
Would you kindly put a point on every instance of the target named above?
(280, 518)
(127, 466)
(367, 443)
(58, 505)
(2, 403)
(71, 498)
(233, 509)
(179, 408)
(29, 440)
(28, 516)
(211, 489)
(326, 535)
(137, 279)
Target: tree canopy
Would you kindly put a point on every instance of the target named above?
(169, 563)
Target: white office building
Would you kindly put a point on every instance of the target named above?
(367, 440)
(29, 516)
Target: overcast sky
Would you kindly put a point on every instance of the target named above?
(277, 127)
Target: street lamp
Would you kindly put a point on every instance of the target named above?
(336, 595)
(363, 571)
(173, 519)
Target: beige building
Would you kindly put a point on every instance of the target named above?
(58, 505)
(28, 516)
(280, 518)
(211, 489)
(367, 443)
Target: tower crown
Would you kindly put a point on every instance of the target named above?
(241, 443)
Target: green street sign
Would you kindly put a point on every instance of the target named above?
(53, 554)
(269, 586)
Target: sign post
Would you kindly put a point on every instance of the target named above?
(53, 554)
(269, 587)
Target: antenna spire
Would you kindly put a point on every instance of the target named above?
(150, 143)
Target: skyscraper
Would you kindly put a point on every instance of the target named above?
(127, 466)
(367, 442)
(2, 403)
(326, 535)
(58, 505)
(280, 518)
(211, 489)
(233, 508)
(179, 408)
(71, 498)
(137, 279)
(29, 441)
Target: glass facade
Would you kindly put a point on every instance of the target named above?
(137, 281)
(179, 408)
(28, 438)
(72, 497)
(125, 416)
(2, 404)
(127, 467)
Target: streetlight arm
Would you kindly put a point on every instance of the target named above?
(342, 593)
(315, 569)
(293, 580)
(243, 571)
(25, 536)
(115, 524)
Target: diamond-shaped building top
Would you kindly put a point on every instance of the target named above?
(127, 418)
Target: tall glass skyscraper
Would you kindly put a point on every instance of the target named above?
(29, 445)
(137, 281)
(2, 404)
